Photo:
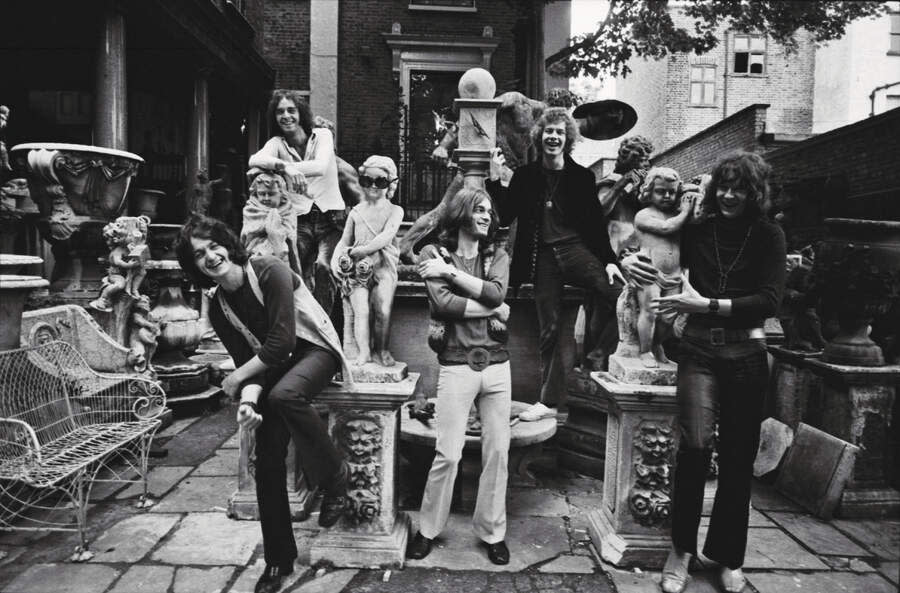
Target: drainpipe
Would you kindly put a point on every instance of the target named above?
(875, 90)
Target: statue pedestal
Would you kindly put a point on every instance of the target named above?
(631, 370)
(855, 404)
(631, 527)
(364, 424)
(790, 385)
(243, 504)
(582, 440)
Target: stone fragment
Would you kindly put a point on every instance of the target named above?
(816, 470)
(774, 439)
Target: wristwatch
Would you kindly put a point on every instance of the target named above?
(251, 404)
(713, 305)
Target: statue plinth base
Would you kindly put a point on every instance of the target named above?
(372, 372)
(855, 403)
(363, 421)
(631, 527)
(790, 385)
(633, 370)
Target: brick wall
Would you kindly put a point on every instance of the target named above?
(285, 42)
(864, 154)
(698, 154)
(368, 93)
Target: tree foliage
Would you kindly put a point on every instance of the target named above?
(644, 28)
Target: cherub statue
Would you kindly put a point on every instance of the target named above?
(658, 231)
(127, 240)
(797, 312)
(143, 332)
(270, 220)
(5, 168)
(619, 192)
(365, 263)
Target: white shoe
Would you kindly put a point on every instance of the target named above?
(537, 412)
(675, 573)
(733, 581)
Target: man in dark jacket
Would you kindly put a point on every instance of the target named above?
(561, 237)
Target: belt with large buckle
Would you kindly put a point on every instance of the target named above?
(719, 336)
(478, 358)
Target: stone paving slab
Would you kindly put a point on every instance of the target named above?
(10, 553)
(104, 490)
(531, 540)
(205, 580)
(891, 571)
(569, 564)
(193, 445)
(247, 579)
(535, 502)
(177, 426)
(232, 443)
(766, 498)
(819, 582)
(200, 494)
(144, 578)
(817, 535)
(223, 463)
(419, 580)
(580, 505)
(773, 548)
(757, 519)
(881, 537)
(131, 539)
(330, 582)
(160, 480)
(63, 578)
(210, 539)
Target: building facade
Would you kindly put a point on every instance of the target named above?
(678, 96)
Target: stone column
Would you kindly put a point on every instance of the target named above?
(365, 425)
(110, 90)
(323, 58)
(855, 404)
(631, 527)
(198, 134)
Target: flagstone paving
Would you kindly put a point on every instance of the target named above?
(186, 543)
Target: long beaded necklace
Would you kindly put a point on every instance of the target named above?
(723, 276)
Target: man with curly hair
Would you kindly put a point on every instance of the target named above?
(560, 239)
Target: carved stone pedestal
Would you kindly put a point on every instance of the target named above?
(243, 503)
(631, 527)
(364, 423)
(855, 404)
(582, 440)
(790, 385)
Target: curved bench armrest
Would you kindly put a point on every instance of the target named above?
(122, 393)
(17, 434)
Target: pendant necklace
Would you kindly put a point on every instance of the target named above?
(723, 276)
(551, 194)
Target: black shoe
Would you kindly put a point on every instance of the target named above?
(419, 547)
(270, 581)
(497, 553)
(332, 509)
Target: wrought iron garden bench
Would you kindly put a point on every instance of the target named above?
(60, 424)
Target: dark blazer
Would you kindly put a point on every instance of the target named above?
(523, 201)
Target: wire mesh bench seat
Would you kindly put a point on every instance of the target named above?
(61, 423)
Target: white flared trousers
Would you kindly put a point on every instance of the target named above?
(458, 387)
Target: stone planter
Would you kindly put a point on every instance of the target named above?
(143, 202)
(14, 290)
(77, 189)
(857, 271)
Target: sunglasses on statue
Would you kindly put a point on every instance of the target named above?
(378, 182)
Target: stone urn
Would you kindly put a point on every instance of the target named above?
(857, 273)
(14, 289)
(77, 189)
(143, 202)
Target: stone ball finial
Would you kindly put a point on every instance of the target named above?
(477, 83)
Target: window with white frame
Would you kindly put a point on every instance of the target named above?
(749, 54)
(703, 85)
